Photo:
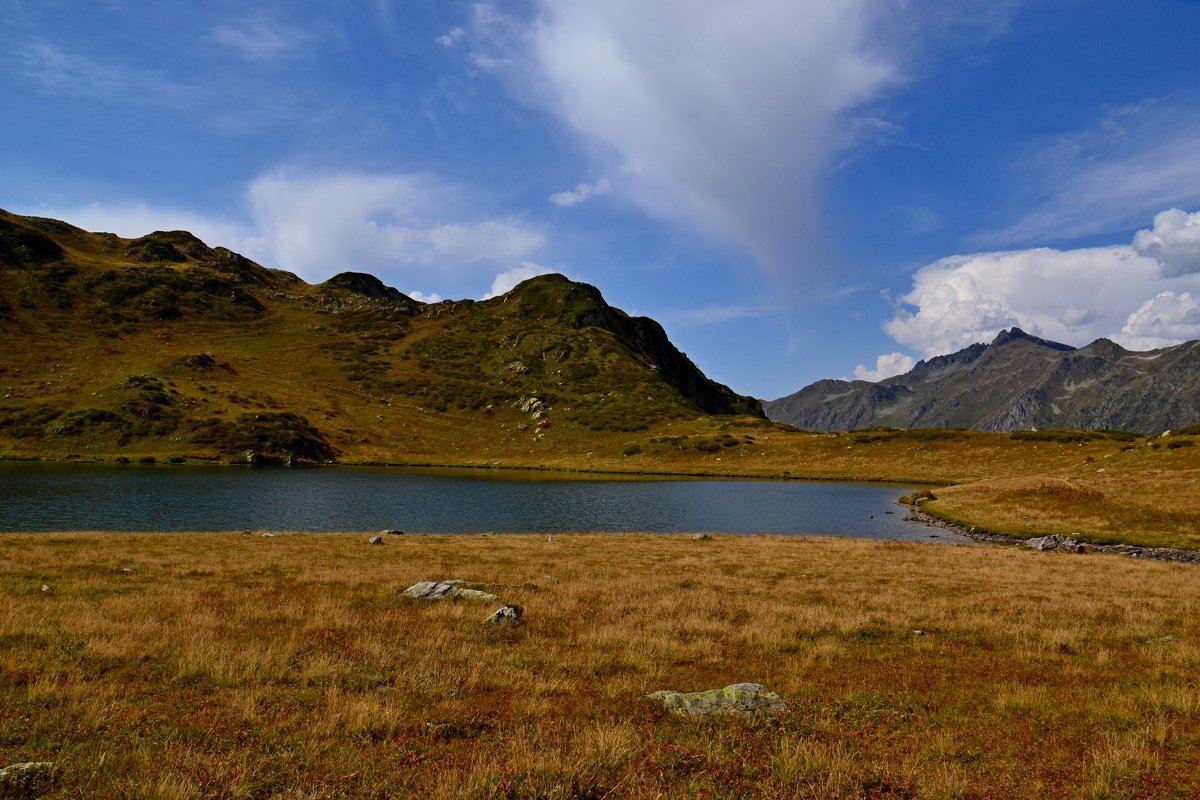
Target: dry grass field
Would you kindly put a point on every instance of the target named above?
(230, 666)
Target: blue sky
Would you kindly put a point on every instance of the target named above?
(796, 189)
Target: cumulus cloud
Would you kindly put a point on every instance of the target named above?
(506, 280)
(1174, 242)
(1165, 319)
(405, 227)
(886, 366)
(1072, 296)
(421, 297)
(581, 193)
(719, 115)
(318, 224)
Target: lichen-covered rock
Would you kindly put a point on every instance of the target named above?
(739, 698)
(508, 615)
(27, 780)
(441, 590)
(1055, 541)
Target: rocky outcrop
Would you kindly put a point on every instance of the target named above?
(1018, 382)
(739, 698)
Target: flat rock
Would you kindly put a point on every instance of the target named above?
(442, 590)
(738, 698)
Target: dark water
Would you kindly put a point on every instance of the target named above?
(109, 497)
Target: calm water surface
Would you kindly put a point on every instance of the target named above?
(110, 497)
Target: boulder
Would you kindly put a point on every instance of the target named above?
(739, 698)
(441, 590)
(27, 780)
(1055, 541)
(508, 615)
(702, 537)
(375, 540)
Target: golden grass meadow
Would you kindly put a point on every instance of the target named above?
(245, 666)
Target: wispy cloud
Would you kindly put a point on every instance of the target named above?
(263, 36)
(714, 314)
(580, 194)
(1135, 161)
(56, 71)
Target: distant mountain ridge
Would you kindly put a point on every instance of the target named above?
(1017, 382)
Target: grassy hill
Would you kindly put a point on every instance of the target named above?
(164, 347)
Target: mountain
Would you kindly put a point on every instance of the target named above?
(1016, 382)
(164, 344)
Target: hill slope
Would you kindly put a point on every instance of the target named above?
(1016, 382)
(164, 344)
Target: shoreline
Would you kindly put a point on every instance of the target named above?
(1065, 543)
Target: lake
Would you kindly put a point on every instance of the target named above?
(111, 497)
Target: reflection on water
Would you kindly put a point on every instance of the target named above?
(44, 497)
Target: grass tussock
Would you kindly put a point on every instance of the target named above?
(227, 666)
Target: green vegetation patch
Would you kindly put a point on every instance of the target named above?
(27, 423)
(274, 436)
(162, 293)
(1073, 436)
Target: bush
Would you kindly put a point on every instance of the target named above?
(274, 436)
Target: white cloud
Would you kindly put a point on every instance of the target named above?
(1163, 320)
(506, 280)
(581, 193)
(713, 314)
(1071, 296)
(886, 366)
(487, 63)
(719, 115)
(405, 227)
(421, 297)
(1174, 242)
(318, 224)
(135, 219)
(452, 37)
(262, 36)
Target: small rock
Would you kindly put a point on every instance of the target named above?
(270, 535)
(508, 615)
(440, 590)
(918, 632)
(29, 779)
(702, 537)
(375, 540)
(45, 588)
(738, 698)
(551, 539)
